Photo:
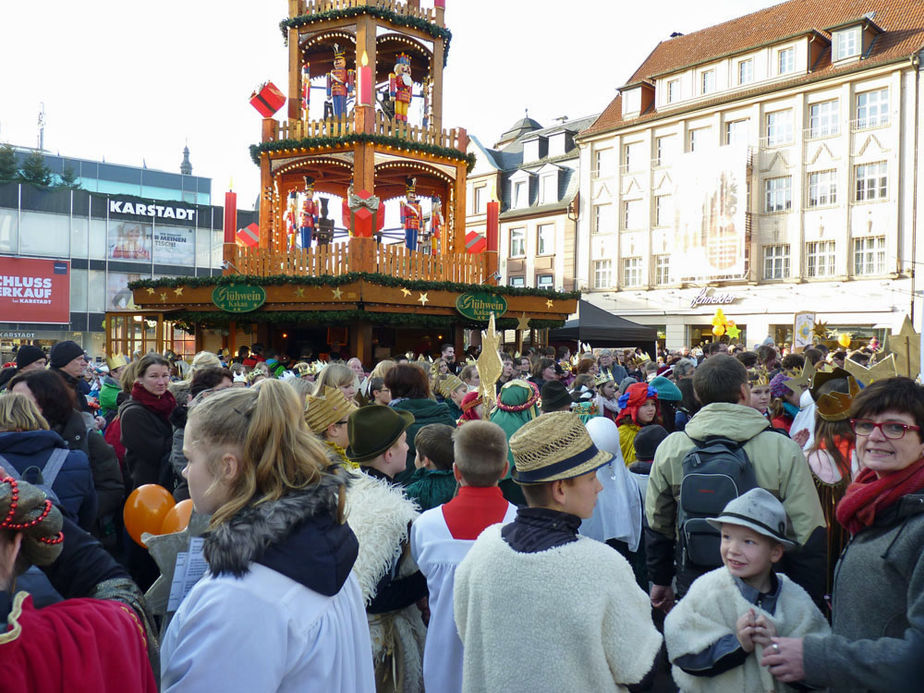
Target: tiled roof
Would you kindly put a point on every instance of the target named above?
(902, 23)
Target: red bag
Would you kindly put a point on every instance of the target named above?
(267, 99)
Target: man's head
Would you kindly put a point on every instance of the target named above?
(448, 353)
(605, 359)
(30, 358)
(378, 438)
(68, 357)
(434, 441)
(480, 449)
(721, 378)
(524, 366)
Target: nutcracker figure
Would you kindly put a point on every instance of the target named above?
(340, 82)
(308, 216)
(436, 225)
(290, 218)
(411, 214)
(306, 89)
(401, 86)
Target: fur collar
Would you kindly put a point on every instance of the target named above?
(231, 546)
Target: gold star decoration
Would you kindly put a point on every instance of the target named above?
(423, 298)
(880, 371)
(338, 294)
(405, 292)
(522, 322)
(906, 346)
(178, 291)
(548, 303)
(803, 382)
(820, 330)
(163, 296)
(300, 292)
(150, 291)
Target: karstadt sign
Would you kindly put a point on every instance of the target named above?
(152, 210)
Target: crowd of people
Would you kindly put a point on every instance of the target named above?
(710, 519)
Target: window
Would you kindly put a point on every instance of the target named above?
(545, 281)
(517, 281)
(736, 132)
(545, 239)
(521, 193)
(779, 194)
(479, 200)
(872, 181)
(776, 261)
(549, 189)
(632, 100)
(664, 210)
(779, 128)
(707, 82)
(822, 188)
(745, 71)
(517, 242)
(869, 255)
(603, 162)
(632, 271)
(847, 43)
(633, 214)
(823, 119)
(872, 109)
(665, 148)
(633, 158)
(662, 269)
(673, 91)
(603, 219)
(699, 138)
(819, 258)
(603, 274)
(785, 60)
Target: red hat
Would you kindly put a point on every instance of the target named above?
(634, 397)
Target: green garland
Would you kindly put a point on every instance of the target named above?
(354, 138)
(348, 278)
(379, 12)
(189, 320)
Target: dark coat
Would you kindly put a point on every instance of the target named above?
(78, 389)
(107, 476)
(74, 483)
(431, 487)
(425, 411)
(147, 438)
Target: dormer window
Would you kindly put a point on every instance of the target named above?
(673, 91)
(785, 60)
(746, 71)
(847, 43)
(707, 81)
(549, 189)
(521, 193)
(632, 101)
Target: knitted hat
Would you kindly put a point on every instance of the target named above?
(373, 429)
(27, 355)
(328, 408)
(667, 391)
(553, 447)
(64, 352)
(758, 510)
(777, 387)
(554, 396)
(647, 441)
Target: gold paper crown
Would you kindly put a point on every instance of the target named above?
(116, 361)
(448, 384)
(879, 371)
(603, 377)
(835, 406)
(330, 407)
(758, 377)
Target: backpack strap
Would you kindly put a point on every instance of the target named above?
(9, 468)
(53, 465)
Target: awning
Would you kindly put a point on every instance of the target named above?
(601, 328)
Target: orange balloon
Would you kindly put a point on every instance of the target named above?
(145, 510)
(177, 518)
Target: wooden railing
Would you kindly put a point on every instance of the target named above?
(405, 8)
(414, 133)
(360, 255)
(300, 129)
(456, 138)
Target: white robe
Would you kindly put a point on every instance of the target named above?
(438, 555)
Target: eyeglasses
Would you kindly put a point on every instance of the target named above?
(890, 429)
(342, 423)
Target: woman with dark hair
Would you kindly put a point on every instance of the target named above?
(410, 391)
(876, 630)
(544, 370)
(146, 431)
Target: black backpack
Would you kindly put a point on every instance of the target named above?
(715, 472)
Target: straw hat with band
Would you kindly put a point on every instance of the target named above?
(758, 510)
(328, 408)
(373, 429)
(554, 447)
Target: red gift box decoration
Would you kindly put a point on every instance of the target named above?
(475, 242)
(267, 99)
(249, 236)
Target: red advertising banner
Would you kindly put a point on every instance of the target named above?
(37, 291)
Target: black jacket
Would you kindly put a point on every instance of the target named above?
(147, 438)
(107, 476)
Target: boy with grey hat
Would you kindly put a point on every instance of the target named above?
(716, 634)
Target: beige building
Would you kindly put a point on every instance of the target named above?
(768, 165)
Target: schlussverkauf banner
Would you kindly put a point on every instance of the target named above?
(35, 291)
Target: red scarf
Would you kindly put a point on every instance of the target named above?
(162, 406)
(869, 495)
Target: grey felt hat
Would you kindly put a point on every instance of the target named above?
(758, 510)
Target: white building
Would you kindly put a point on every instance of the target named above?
(769, 164)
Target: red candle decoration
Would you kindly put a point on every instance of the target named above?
(365, 81)
(492, 224)
(230, 216)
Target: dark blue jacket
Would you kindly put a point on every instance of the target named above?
(74, 484)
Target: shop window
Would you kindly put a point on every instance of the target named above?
(869, 256)
(776, 261)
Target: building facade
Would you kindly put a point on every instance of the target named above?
(768, 166)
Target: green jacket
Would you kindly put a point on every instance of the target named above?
(108, 392)
(431, 487)
(425, 411)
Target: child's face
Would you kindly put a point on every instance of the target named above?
(382, 396)
(760, 398)
(608, 390)
(747, 554)
(646, 412)
(581, 495)
(458, 394)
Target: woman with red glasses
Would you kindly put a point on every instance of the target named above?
(878, 599)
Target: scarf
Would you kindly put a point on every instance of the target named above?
(869, 495)
(162, 406)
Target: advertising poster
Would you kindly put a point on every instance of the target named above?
(118, 295)
(174, 245)
(37, 291)
(129, 240)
